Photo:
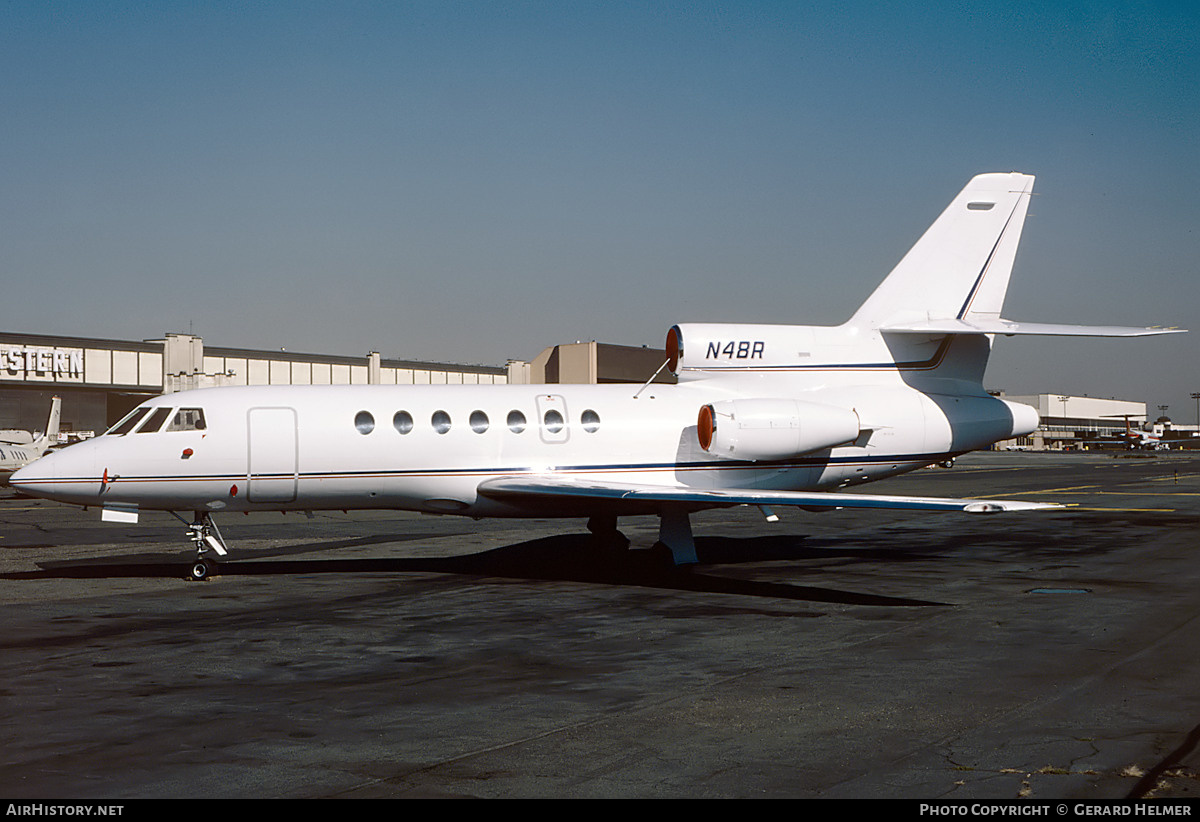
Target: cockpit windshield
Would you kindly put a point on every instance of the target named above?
(154, 421)
(130, 420)
(150, 420)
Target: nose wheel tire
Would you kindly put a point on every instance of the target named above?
(203, 533)
(201, 570)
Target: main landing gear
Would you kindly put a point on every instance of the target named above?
(605, 535)
(205, 535)
(674, 535)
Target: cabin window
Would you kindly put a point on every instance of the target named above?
(479, 422)
(188, 419)
(516, 422)
(441, 421)
(364, 422)
(155, 421)
(554, 421)
(131, 419)
(402, 421)
(590, 420)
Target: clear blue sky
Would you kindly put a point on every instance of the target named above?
(471, 182)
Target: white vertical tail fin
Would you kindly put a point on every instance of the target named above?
(932, 318)
(53, 423)
(960, 267)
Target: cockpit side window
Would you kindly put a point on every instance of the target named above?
(188, 419)
(126, 425)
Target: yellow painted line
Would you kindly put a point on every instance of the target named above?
(1097, 493)
(1148, 493)
(973, 469)
(1048, 491)
(1129, 510)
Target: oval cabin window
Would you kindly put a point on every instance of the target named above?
(402, 421)
(364, 422)
(441, 422)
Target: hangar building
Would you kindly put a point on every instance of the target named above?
(101, 380)
(596, 363)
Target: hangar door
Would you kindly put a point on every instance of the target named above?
(271, 475)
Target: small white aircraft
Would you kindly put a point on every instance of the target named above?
(1146, 438)
(766, 415)
(19, 448)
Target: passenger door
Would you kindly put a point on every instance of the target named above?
(272, 458)
(552, 418)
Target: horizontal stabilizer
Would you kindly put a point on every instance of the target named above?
(551, 487)
(983, 325)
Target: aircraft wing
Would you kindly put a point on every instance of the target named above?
(985, 325)
(553, 488)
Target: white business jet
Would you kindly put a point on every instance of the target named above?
(766, 415)
(19, 448)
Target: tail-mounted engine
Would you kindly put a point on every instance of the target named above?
(773, 429)
(719, 348)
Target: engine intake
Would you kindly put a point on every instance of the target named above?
(773, 429)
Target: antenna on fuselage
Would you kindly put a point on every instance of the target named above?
(652, 376)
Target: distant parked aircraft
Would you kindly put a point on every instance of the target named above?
(19, 448)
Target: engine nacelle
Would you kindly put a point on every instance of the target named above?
(773, 429)
(715, 348)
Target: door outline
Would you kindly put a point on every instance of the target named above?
(272, 454)
(545, 404)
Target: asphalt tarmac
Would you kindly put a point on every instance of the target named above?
(1042, 655)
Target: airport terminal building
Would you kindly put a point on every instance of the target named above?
(100, 380)
(1079, 422)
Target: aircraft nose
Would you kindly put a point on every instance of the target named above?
(60, 475)
(33, 475)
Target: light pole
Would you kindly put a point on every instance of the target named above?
(1196, 397)
(1063, 399)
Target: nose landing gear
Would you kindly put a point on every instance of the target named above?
(205, 535)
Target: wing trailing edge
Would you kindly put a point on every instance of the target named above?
(543, 487)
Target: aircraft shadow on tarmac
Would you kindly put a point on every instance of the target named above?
(566, 558)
